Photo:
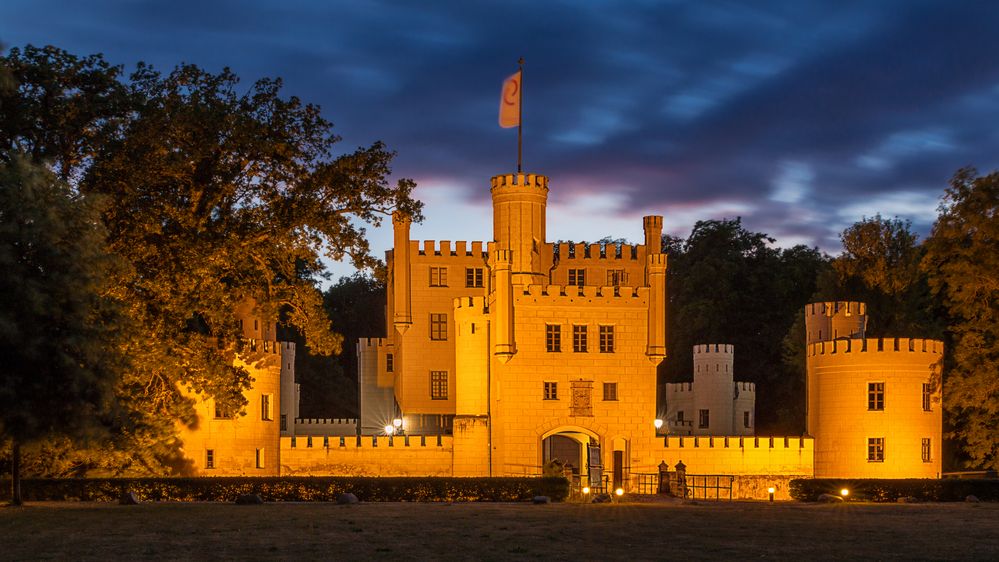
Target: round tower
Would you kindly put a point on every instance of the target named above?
(519, 206)
(874, 407)
(831, 320)
(713, 388)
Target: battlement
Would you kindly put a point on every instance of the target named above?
(445, 248)
(372, 342)
(365, 442)
(876, 345)
(326, 421)
(721, 348)
(536, 181)
(471, 304)
(737, 442)
(657, 260)
(561, 294)
(582, 252)
(503, 256)
(832, 308)
(743, 386)
(653, 221)
(264, 346)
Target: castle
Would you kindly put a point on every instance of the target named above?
(500, 356)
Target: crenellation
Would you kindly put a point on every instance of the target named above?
(876, 346)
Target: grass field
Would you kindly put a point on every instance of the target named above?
(409, 531)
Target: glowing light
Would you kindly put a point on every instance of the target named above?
(389, 430)
(586, 490)
(658, 423)
(619, 491)
(771, 490)
(397, 422)
(844, 492)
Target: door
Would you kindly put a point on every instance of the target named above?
(618, 469)
(594, 464)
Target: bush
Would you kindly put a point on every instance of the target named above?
(885, 490)
(300, 488)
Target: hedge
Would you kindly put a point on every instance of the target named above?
(887, 490)
(302, 488)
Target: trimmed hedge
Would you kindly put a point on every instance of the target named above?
(293, 488)
(887, 490)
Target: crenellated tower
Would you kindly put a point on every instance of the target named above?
(519, 205)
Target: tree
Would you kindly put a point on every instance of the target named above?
(962, 262)
(58, 322)
(729, 285)
(216, 196)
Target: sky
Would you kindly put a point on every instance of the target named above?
(800, 117)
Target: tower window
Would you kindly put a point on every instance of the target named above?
(210, 458)
(703, 418)
(875, 396)
(926, 449)
(610, 391)
(876, 449)
(745, 419)
(473, 277)
(438, 277)
(267, 407)
(579, 339)
(551, 390)
(389, 363)
(615, 277)
(438, 326)
(553, 338)
(222, 413)
(438, 385)
(606, 339)
(577, 277)
(260, 458)
(284, 422)
(926, 397)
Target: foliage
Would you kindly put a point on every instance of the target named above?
(59, 322)
(217, 195)
(299, 488)
(890, 490)
(729, 285)
(962, 262)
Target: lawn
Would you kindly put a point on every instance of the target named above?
(385, 531)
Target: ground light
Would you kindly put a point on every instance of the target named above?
(771, 491)
(397, 423)
(844, 492)
(586, 490)
(619, 491)
(389, 430)
(658, 423)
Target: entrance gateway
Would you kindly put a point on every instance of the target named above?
(580, 452)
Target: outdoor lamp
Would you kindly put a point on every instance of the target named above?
(844, 492)
(586, 490)
(619, 491)
(658, 423)
(771, 491)
(389, 430)
(397, 422)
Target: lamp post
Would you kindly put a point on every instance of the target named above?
(771, 491)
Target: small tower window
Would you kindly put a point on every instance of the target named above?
(875, 396)
(703, 418)
(876, 449)
(389, 363)
(210, 458)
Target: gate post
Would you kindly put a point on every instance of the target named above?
(663, 478)
(681, 478)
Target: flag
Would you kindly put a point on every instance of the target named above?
(509, 112)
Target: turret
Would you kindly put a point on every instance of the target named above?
(656, 345)
(653, 226)
(401, 288)
(832, 320)
(519, 206)
(505, 346)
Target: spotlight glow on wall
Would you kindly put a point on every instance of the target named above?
(619, 491)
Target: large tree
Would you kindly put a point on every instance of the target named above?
(219, 194)
(59, 322)
(962, 262)
(727, 284)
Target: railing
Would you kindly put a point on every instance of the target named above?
(696, 486)
(648, 482)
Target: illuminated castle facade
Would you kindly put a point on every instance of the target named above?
(501, 356)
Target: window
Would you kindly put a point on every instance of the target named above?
(438, 277)
(267, 407)
(551, 390)
(876, 396)
(210, 458)
(438, 385)
(577, 277)
(876, 449)
(222, 413)
(745, 419)
(438, 326)
(703, 418)
(926, 449)
(926, 397)
(389, 363)
(260, 458)
(606, 339)
(553, 338)
(284, 422)
(610, 391)
(615, 277)
(473, 277)
(579, 339)
(679, 416)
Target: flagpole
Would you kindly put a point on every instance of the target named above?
(520, 118)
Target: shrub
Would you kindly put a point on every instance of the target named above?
(887, 490)
(295, 488)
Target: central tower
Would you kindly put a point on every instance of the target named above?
(520, 202)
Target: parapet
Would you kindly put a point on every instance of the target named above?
(834, 320)
(536, 181)
(738, 442)
(445, 248)
(721, 348)
(564, 294)
(832, 308)
(568, 251)
(876, 346)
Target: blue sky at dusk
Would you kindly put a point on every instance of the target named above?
(800, 117)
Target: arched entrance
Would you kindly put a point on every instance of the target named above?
(578, 450)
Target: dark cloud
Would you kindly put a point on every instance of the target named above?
(798, 113)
